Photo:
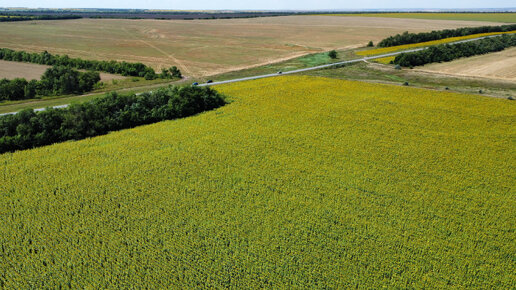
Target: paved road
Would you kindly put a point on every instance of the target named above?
(308, 69)
(335, 64)
(305, 69)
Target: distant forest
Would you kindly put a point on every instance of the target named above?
(9, 17)
(44, 14)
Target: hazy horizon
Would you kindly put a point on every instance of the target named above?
(484, 9)
(299, 5)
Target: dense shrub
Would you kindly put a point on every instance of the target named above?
(332, 54)
(113, 67)
(12, 89)
(28, 129)
(408, 38)
(57, 80)
(449, 52)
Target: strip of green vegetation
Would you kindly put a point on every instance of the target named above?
(29, 129)
(112, 67)
(57, 80)
(449, 52)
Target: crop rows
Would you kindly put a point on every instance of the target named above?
(299, 182)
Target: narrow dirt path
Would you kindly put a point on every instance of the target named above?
(180, 64)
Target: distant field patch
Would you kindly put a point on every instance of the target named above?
(492, 17)
(29, 71)
(207, 47)
(499, 65)
(390, 49)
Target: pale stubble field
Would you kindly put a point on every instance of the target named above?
(499, 65)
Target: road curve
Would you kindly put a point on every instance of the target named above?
(304, 69)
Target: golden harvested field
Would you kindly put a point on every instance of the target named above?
(30, 71)
(300, 182)
(206, 47)
(499, 65)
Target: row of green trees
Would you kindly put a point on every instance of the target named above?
(408, 38)
(449, 52)
(28, 129)
(113, 67)
(14, 17)
(57, 80)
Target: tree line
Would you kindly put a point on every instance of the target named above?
(113, 67)
(29, 129)
(57, 80)
(16, 17)
(408, 38)
(449, 52)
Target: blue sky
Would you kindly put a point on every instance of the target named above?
(259, 4)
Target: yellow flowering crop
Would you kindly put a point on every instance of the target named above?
(299, 182)
(385, 60)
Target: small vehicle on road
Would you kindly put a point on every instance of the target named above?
(209, 82)
(195, 84)
(280, 72)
